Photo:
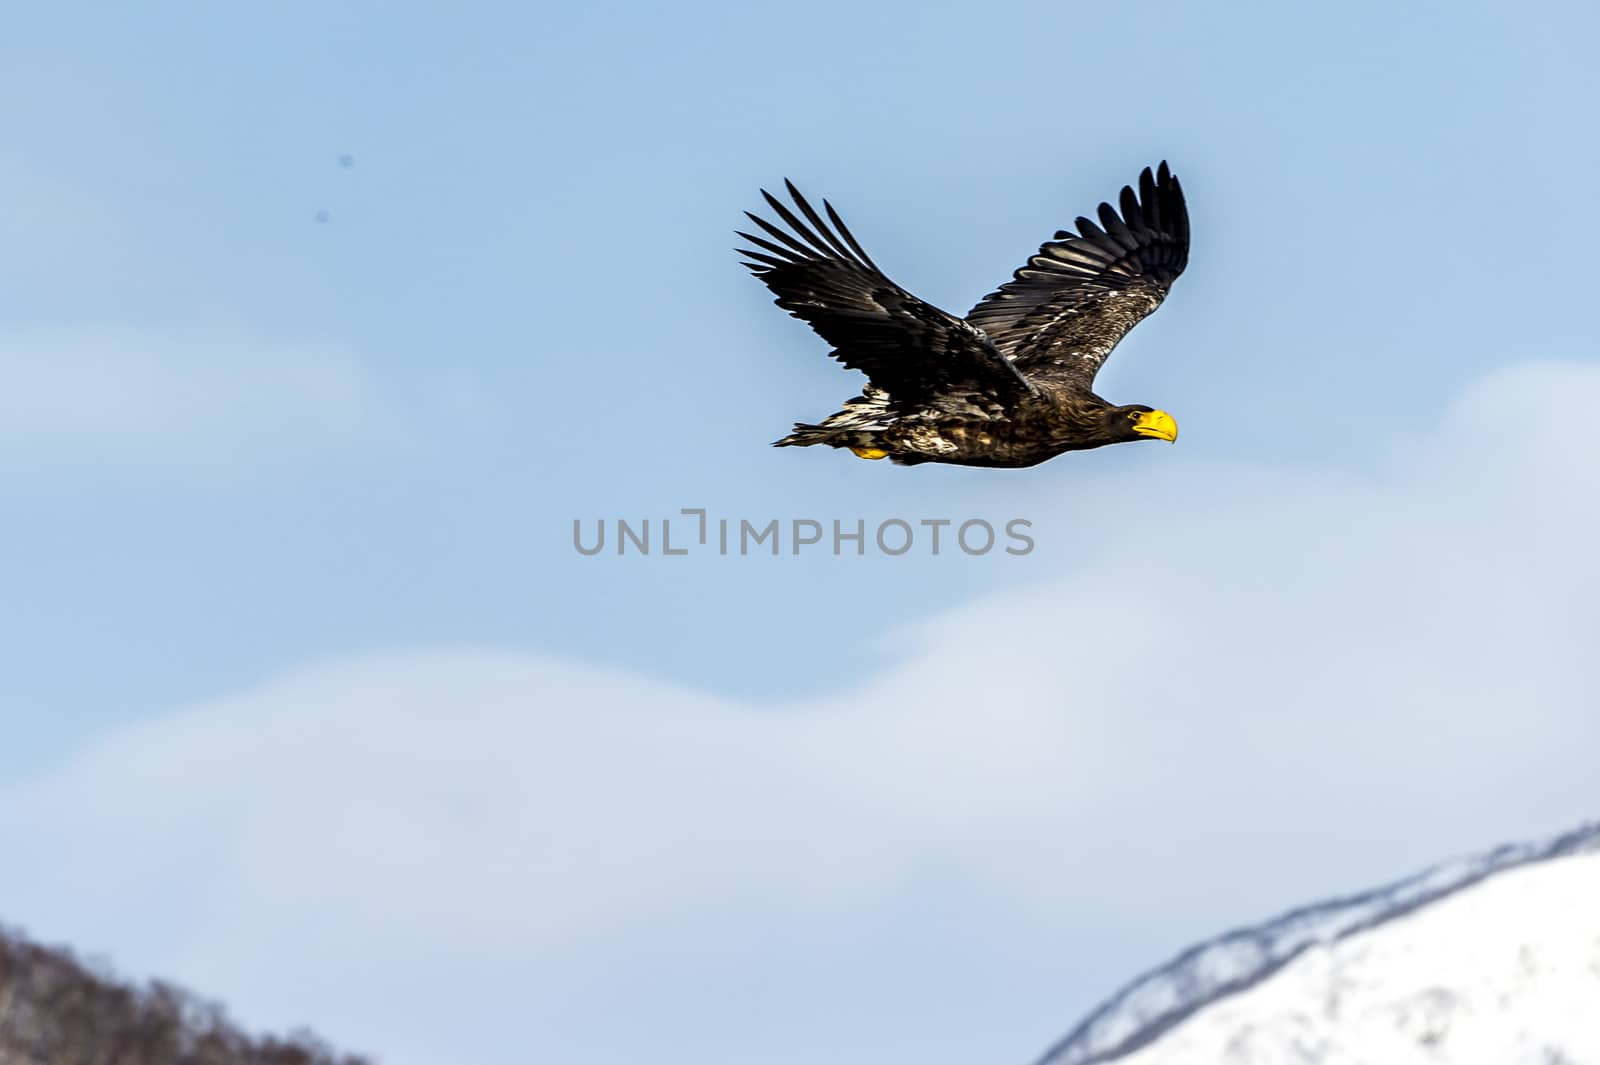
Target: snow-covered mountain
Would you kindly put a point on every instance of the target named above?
(1493, 960)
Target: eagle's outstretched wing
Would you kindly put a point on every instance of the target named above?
(909, 348)
(1062, 313)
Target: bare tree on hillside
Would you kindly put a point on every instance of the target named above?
(54, 1010)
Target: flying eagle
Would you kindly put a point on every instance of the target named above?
(1011, 384)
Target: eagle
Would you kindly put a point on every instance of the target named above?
(1012, 383)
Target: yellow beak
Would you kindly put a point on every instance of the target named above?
(1156, 423)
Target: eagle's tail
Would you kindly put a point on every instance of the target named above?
(857, 426)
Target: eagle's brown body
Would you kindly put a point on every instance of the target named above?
(1036, 427)
(1010, 384)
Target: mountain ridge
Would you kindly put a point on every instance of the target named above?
(1231, 964)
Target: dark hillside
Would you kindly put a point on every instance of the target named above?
(56, 1010)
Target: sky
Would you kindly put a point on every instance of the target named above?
(319, 328)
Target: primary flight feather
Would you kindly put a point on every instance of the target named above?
(1011, 384)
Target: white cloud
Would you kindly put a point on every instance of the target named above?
(1261, 689)
(123, 392)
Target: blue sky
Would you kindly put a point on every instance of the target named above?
(283, 495)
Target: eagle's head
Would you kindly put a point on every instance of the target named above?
(1138, 422)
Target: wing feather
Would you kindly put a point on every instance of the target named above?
(849, 237)
(907, 347)
(1062, 313)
